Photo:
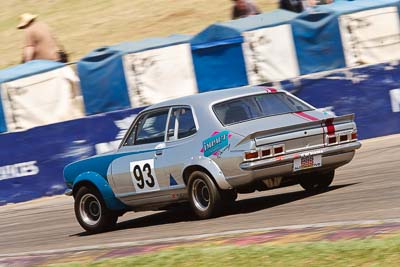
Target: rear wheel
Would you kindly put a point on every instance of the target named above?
(229, 196)
(91, 211)
(317, 182)
(204, 196)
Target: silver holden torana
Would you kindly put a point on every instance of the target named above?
(208, 147)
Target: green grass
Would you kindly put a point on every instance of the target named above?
(82, 26)
(366, 252)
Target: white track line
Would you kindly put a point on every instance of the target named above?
(195, 237)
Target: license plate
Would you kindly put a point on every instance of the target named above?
(307, 162)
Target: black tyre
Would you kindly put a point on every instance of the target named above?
(91, 211)
(229, 196)
(317, 182)
(204, 196)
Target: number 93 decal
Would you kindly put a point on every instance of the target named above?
(143, 176)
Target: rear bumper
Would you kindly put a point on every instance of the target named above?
(332, 157)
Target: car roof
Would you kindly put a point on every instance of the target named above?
(205, 99)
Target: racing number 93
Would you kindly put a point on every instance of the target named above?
(143, 176)
(137, 172)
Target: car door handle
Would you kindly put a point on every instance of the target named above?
(158, 152)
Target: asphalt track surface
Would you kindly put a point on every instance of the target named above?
(366, 189)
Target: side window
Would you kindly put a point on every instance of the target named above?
(149, 129)
(131, 138)
(152, 128)
(181, 124)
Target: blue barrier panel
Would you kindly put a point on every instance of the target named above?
(103, 81)
(318, 42)
(370, 92)
(218, 57)
(32, 161)
(219, 66)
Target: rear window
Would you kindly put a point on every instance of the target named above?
(257, 106)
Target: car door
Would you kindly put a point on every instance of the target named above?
(182, 129)
(139, 171)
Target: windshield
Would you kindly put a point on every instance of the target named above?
(257, 106)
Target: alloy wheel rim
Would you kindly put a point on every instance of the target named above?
(90, 209)
(201, 195)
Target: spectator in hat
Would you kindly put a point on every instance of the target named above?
(244, 8)
(39, 43)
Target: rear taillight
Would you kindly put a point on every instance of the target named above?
(264, 152)
(340, 138)
(344, 138)
(278, 150)
(332, 140)
(251, 155)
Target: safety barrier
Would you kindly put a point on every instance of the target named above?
(277, 47)
(32, 161)
(273, 46)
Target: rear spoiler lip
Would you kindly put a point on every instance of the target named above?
(291, 128)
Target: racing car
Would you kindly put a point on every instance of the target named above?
(205, 149)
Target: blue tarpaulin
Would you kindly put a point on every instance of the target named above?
(217, 51)
(28, 69)
(151, 43)
(352, 6)
(317, 34)
(220, 66)
(318, 42)
(21, 71)
(234, 28)
(103, 83)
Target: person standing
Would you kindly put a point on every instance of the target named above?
(292, 5)
(299, 6)
(39, 43)
(244, 8)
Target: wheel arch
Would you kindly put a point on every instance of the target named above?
(99, 183)
(190, 169)
(85, 183)
(208, 166)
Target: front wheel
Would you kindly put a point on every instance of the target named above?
(91, 211)
(317, 182)
(204, 196)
